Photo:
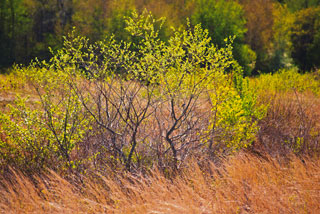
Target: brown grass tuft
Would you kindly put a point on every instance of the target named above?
(291, 125)
(243, 184)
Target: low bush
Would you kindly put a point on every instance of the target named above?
(43, 133)
(287, 80)
(291, 124)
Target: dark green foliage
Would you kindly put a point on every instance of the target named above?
(306, 38)
(223, 19)
(29, 27)
(14, 23)
(296, 5)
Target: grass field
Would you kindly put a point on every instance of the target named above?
(278, 173)
(243, 184)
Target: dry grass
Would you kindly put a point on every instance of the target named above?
(244, 184)
(241, 184)
(292, 124)
(12, 85)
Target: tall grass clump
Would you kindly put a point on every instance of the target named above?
(292, 121)
(245, 184)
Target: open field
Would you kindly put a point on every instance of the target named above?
(193, 106)
(274, 175)
(170, 127)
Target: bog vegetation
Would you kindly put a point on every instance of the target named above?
(147, 121)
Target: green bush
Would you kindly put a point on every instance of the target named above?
(286, 80)
(45, 132)
(121, 89)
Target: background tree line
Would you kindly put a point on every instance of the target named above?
(269, 34)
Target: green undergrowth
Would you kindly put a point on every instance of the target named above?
(286, 80)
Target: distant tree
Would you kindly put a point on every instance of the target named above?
(295, 5)
(259, 15)
(29, 27)
(281, 45)
(13, 24)
(223, 19)
(118, 10)
(306, 38)
(98, 18)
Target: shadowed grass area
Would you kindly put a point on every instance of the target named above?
(292, 120)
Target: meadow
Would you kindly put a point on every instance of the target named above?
(154, 126)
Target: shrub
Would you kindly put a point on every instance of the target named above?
(44, 134)
(143, 99)
(286, 80)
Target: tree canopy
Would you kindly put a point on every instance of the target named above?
(264, 39)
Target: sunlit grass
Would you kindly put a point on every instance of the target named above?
(243, 184)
